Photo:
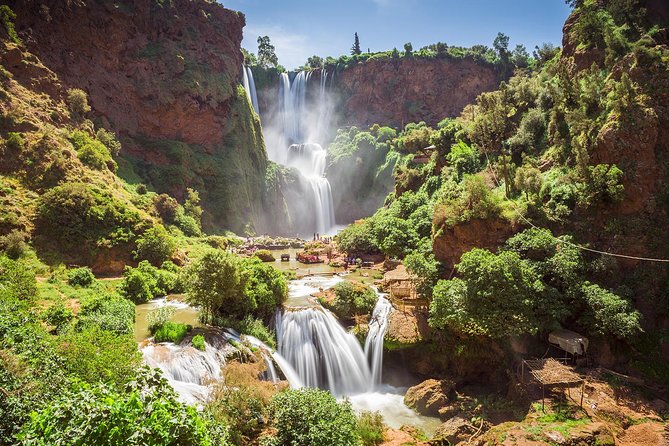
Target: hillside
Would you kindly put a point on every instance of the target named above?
(164, 77)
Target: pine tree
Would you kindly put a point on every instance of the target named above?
(355, 49)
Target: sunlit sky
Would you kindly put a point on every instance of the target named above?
(301, 28)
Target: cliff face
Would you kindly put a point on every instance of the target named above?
(397, 92)
(164, 76)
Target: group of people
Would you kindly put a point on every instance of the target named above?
(325, 239)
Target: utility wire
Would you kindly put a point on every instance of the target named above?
(575, 245)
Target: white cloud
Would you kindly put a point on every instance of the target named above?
(293, 49)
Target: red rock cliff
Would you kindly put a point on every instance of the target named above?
(396, 92)
(165, 78)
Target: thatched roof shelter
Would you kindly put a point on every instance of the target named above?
(399, 274)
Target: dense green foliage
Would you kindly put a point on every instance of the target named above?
(146, 282)
(80, 276)
(146, 411)
(224, 284)
(536, 283)
(155, 245)
(370, 428)
(313, 417)
(171, 332)
(351, 299)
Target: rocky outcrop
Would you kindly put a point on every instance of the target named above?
(396, 92)
(449, 243)
(163, 75)
(433, 398)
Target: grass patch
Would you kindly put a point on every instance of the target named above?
(198, 342)
(171, 332)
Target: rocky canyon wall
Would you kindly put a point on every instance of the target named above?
(164, 76)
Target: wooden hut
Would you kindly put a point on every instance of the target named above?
(399, 284)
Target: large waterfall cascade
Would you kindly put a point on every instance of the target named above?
(294, 136)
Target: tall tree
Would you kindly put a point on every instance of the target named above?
(355, 49)
(501, 45)
(266, 55)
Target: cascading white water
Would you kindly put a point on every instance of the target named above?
(374, 341)
(305, 120)
(325, 355)
(189, 370)
(250, 87)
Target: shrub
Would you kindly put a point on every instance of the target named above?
(110, 313)
(16, 280)
(217, 282)
(80, 276)
(265, 255)
(610, 314)
(267, 288)
(58, 315)
(147, 412)
(96, 355)
(109, 140)
(7, 17)
(353, 298)
(312, 417)
(155, 245)
(357, 239)
(138, 285)
(370, 428)
(171, 332)
(15, 141)
(198, 342)
(464, 158)
(14, 244)
(166, 207)
(77, 102)
(188, 225)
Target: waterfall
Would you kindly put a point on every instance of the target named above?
(303, 121)
(325, 355)
(374, 341)
(189, 370)
(250, 87)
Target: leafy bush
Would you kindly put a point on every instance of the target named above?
(166, 207)
(110, 313)
(198, 342)
(108, 138)
(16, 280)
(610, 314)
(138, 286)
(370, 428)
(352, 298)
(494, 297)
(475, 201)
(265, 255)
(266, 290)
(395, 236)
(80, 276)
(248, 326)
(7, 17)
(171, 332)
(78, 102)
(77, 217)
(96, 355)
(311, 417)
(58, 315)
(464, 158)
(357, 239)
(155, 245)
(147, 411)
(92, 152)
(14, 244)
(188, 225)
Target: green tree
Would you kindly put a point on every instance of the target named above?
(267, 288)
(192, 206)
(156, 245)
(520, 57)
(352, 298)
(394, 236)
(266, 53)
(355, 49)
(7, 17)
(494, 296)
(609, 313)
(312, 417)
(464, 158)
(108, 138)
(217, 283)
(357, 239)
(528, 179)
(315, 62)
(408, 50)
(78, 103)
(501, 45)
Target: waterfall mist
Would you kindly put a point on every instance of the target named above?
(297, 124)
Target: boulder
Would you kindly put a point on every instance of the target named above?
(456, 430)
(432, 398)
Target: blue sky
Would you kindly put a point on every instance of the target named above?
(301, 28)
